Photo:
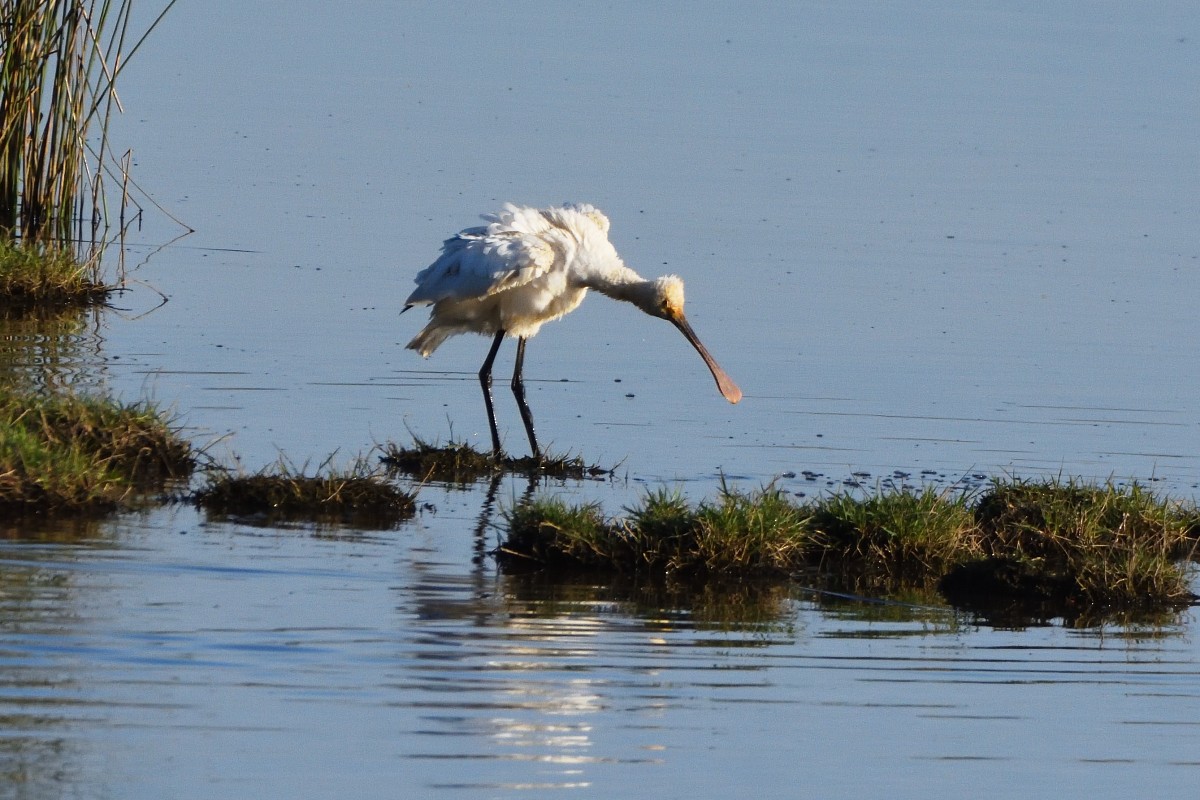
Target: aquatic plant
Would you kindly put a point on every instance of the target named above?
(60, 180)
(1097, 545)
(754, 532)
(61, 452)
(1066, 543)
(748, 533)
(357, 495)
(454, 462)
(548, 532)
(893, 534)
(45, 276)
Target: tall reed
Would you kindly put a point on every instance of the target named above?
(61, 184)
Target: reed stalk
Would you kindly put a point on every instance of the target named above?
(61, 184)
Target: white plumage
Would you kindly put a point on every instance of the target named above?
(530, 266)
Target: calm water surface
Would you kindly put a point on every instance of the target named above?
(169, 656)
(937, 241)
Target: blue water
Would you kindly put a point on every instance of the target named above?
(939, 240)
(177, 657)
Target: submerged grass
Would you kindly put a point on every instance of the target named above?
(355, 495)
(61, 452)
(459, 462)
(456, 462)
(1063, 544)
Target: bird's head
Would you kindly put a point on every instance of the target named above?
(667, 300)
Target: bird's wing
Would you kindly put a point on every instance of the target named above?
(482, 261)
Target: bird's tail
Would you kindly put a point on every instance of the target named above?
(429, 339)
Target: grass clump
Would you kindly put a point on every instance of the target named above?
(71, 453)
(282, 493)
(35, 276)
(459, 462)
(898, 534)
(456, 462)
(755, 532)
(1063, 546)
(1081, 544)
(548, 532)
(741, 533)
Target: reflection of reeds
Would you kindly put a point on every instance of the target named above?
(50, 349)
(664, 603)
(59, 60)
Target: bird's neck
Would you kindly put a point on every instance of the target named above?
(621, 283)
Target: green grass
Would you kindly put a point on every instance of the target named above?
(1063, 544)
(34, 276)
(547, 531)
(460, 463)
(757, 532)
(1096, 545)
(78, 454)
(742, 533)
(355, 495)
(897, 534)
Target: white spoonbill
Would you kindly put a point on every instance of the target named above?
(529, 266)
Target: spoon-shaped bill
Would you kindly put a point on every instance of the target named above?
(728, 388)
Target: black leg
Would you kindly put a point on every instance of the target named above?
(518, 387)
(485, 380)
